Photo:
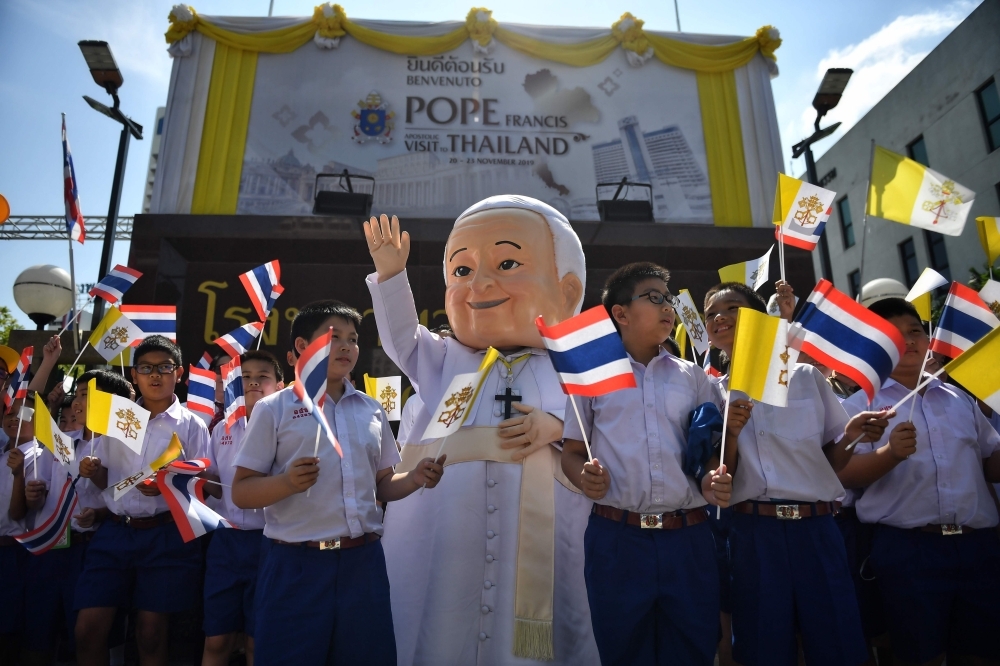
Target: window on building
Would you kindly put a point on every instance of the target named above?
(917, 151)
(989, 107)
(938, 254)
(854, 277)
(159, 126)
(846, 224)
(908, 257)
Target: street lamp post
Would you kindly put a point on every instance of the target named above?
(107, 75)
(827, 97)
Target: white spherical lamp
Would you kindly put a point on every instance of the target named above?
(44, 292)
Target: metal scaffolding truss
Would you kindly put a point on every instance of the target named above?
(53, 227)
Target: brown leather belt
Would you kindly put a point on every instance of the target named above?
(655, 521)
(785, 511)
(143, 523)
(946, 530)
(81, 537)
(7, 541)
(340, 543)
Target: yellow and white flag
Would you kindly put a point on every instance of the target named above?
(762, 360)
(173, 451)
(989, 236)
(114, 334)
(117, 417)
(694, 327)
(801, 210)
(920, 293)
(753, 273)
(47, 432)
(977, 369)
(681, 338)
(388, 392)
(905, 191)
(990, 293)
(458, 399)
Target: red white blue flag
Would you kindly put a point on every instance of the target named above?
(232, 391)
(74, 218)
(185, 496)
(846, 336)
(236, 343)
(114, 285)
(588, 354)
(17, 389)
(262, 285)
(205, 362)
(310, 382)
(707, 366)
(153, 320)
(53, 528)
(201, 391)
(964, 321)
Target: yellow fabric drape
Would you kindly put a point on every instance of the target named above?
(727, 175)
(224, 135)
(581, 54)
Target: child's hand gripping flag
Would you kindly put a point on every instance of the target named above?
(47, 432)
(920, 293)
(185, 496)
(232, 391)
(978, 369)
(17, 387)
(236, 343)
(964, 321)
(387, 391)
(847, 337)
(458, 399)
(800, 212)
(762, 358)
(310, 384)
(117, 417)
(753, 273)
(52, 529)
(172, 452)
(262, 285)
(114, 285)
(115, 334)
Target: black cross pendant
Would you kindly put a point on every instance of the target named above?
(508, 398)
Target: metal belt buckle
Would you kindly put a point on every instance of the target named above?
(651, 521)
(127, 520)
(332, 544)
(787, 511)
(951, 528)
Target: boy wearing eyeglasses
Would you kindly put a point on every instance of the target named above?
(139, 550)
(654, 593)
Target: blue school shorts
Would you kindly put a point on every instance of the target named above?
(720, 530)
(231, 568)
(323, 607)
(654, 594)
(858, 544)
(50, 593)
(149, 569)
(13, 560)
(792, 576)
(940, 593)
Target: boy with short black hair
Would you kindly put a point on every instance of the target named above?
(140, 550)
(323, 591)
(233, 556)
(935, 553)
(652, 597)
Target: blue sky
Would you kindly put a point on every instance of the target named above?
(42, 74)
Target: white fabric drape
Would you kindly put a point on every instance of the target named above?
(761, 144)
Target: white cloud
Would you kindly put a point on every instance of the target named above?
(879, 61)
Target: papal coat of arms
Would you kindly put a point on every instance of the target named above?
(374, 120)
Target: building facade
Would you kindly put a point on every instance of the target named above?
(944, 114)
(154, 156)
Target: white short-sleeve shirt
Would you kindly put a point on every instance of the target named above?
(222, 452)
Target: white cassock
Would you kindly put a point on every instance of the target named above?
(451, 552)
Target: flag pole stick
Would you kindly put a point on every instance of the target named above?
(583, 431)
(78, 358)
(923, 366)
(900, 403)
(722, 446)
(781, 250)
(121, 360)
(864, 229)
(76, 316)
(315, 450)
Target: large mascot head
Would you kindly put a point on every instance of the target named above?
(508, 260)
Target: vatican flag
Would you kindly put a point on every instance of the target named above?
(978, 371)
(753, 273)
(920, 294)
(762, 360)
(173, 451)
(117, 417)
(905, 191)
(47, 432)
(387, 391)
(989, 236)
(990, 293)
(801, 210)
(458, 399)
(114, 334)
(694, 327)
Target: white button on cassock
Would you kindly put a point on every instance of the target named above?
(491, 508)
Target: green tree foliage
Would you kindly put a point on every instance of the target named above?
(7, 324)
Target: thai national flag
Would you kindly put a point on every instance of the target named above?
(53, 528)
(262, 285)
(193, 466)
(232, 390)
(707, 366)
(205, 362)
(847, 337)
(74, 218)
(964, 320)
(201, 391)
(588, 354)
(17, 389)
(236, 343)
(114, 285)
(153, 320)
(185, 496)
(310, 381)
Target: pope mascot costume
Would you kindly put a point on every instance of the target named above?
(488, 569)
